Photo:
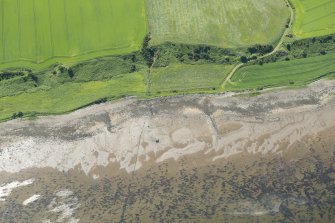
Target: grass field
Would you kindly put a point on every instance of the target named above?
(33, 32)
(314, 18)
(179, 77)
(287, 73)
(229, 23)
(71, 96)
(38, 33)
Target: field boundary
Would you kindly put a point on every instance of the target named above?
(53, 60)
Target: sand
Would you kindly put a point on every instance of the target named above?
(6, 189)
(131, 132)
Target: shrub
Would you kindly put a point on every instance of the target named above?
(244, 59)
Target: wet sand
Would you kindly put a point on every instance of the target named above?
(196, 158)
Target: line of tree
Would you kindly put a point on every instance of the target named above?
(302, 49)
(148, 52)
(9, 75)
(260, 49)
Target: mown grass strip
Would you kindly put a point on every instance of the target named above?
(178, 77)
(296, 72)
(313, 18)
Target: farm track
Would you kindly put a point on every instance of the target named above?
(3, 31)
(19, 25)
(50, 30)
(35, 30)
(286, 31)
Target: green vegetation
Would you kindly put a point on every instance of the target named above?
(169, 53)
(38, 33)
(103, 52)
(70, 96)
(17, 82)
(301, 48)
(314, 18)
(165, 69)
(229, 23)
(56, 92)
(183, 78)
(296, 72)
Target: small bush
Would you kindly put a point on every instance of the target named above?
(244, 59)
(17, 115)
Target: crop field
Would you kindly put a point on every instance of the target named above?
(188, 77)
(70, 96)
(287, 73)
(36, 31)
(229, 23)
(39, 33)
(314, 18)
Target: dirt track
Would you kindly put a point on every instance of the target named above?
(287, 30)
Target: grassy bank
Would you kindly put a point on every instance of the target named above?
(178, 77)
(71, 96)
(172, 80)
(297, 72)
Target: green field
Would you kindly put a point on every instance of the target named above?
(225, 23)
(70, 96)
(188, 77)
(33, 32)
(314, 18)
(287, 73)
(81, 34)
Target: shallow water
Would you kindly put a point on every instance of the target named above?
(294, 187)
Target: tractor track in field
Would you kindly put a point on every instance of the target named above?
(279, 44)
